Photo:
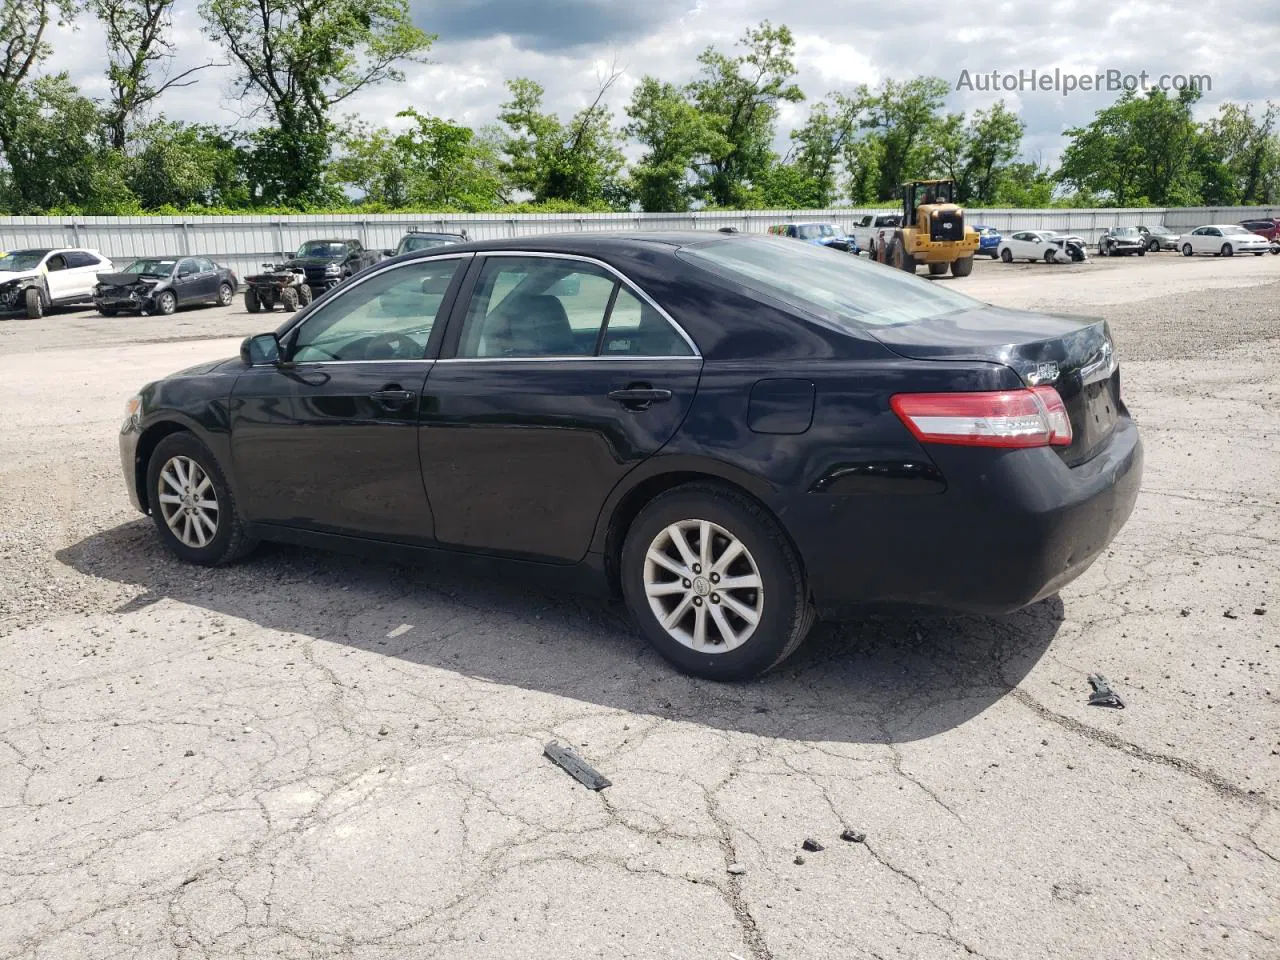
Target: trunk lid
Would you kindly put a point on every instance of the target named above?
(1036, 346)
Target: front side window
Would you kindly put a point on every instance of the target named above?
(56, 262)
(551, 307)
(387, 317)
(846, 290)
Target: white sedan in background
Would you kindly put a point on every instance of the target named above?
(1223, 239)
(1046, 245)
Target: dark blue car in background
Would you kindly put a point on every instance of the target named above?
(988, 241)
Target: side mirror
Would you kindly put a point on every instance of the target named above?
(260, 350)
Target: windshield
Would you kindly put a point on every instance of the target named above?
(21, 260)
(815, 231)
(1125, 232)
(409, 244)
(151, 268)
(841, 288)
(323, 248)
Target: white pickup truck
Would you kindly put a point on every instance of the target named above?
(866, 230)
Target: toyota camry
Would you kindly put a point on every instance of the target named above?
(734, 433)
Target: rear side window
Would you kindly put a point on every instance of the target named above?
(78, 258)
(836, 286)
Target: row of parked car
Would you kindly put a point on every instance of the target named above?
(33, 280)
(1248, 236)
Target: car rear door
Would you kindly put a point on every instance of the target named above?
(557, 378)
(328, 440)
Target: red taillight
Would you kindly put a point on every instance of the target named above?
(1035, 417)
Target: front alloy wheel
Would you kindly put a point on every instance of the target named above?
(703, 586)
(188, 502)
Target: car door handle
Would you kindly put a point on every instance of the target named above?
(392, 398)
(639, 397)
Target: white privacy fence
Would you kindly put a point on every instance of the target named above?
(243, 243)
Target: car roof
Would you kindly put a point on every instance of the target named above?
(41, 251)
(589, 244)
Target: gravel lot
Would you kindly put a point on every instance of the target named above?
(308, 755)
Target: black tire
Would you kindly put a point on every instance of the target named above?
(1227, 250)
(787, 613)
(899, 256)
(251, 301)
(289, 299)
(226, 293)
(108, 311)
(1187, 251)
(1104, 250)
(1142, 252)
(304, 294)
(1154, 246)
(229, 541)
(937, 269)
(962, 267)
(34, 303)
(1006, 255)
(1048, 256)
(166, 303)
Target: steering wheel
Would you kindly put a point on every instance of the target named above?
(392, 346)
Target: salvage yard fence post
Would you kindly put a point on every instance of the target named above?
(241, 242)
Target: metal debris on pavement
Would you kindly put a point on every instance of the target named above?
(570, 762)
(813, 846)
(1103, 695)
(853, 836)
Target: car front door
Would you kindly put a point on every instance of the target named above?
(557, 378)
(186, 281)
(327, 439)
(59, 276)
(205, 287)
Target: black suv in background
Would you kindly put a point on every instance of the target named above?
(328, 262)
(425, 240)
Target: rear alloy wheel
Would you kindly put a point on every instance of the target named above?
(192, 504)
(1154, 246)
(1006, 255)
(251, 301)
(166, 303)
(35, 303)
(1227, 251)
(714, 583)
(937, 269)
(962, 267)
(1186, 250)
(226, 293)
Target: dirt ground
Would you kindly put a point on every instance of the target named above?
(309, 755)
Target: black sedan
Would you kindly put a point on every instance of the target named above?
(736, 433)
(163, 284)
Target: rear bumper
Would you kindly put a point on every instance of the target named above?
(1011, 528)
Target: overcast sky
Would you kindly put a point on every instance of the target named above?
(566, 44)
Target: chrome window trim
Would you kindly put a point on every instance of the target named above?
(622, 278)
(559, 358)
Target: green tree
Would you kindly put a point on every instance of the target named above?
(1239, 156)
(739, 96)
(673, 131)
(434, 164)
(298, 60)
(1140, 150)
(1026, 184)
(186, 165)
(976, 152)
(823, 140)
(577, 162)
(56, 157)
(139, 59)
(902, 117)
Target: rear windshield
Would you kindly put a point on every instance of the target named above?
(835, 285)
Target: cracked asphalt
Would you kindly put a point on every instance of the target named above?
(309, 755)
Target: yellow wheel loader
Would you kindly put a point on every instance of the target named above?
(933, 231)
